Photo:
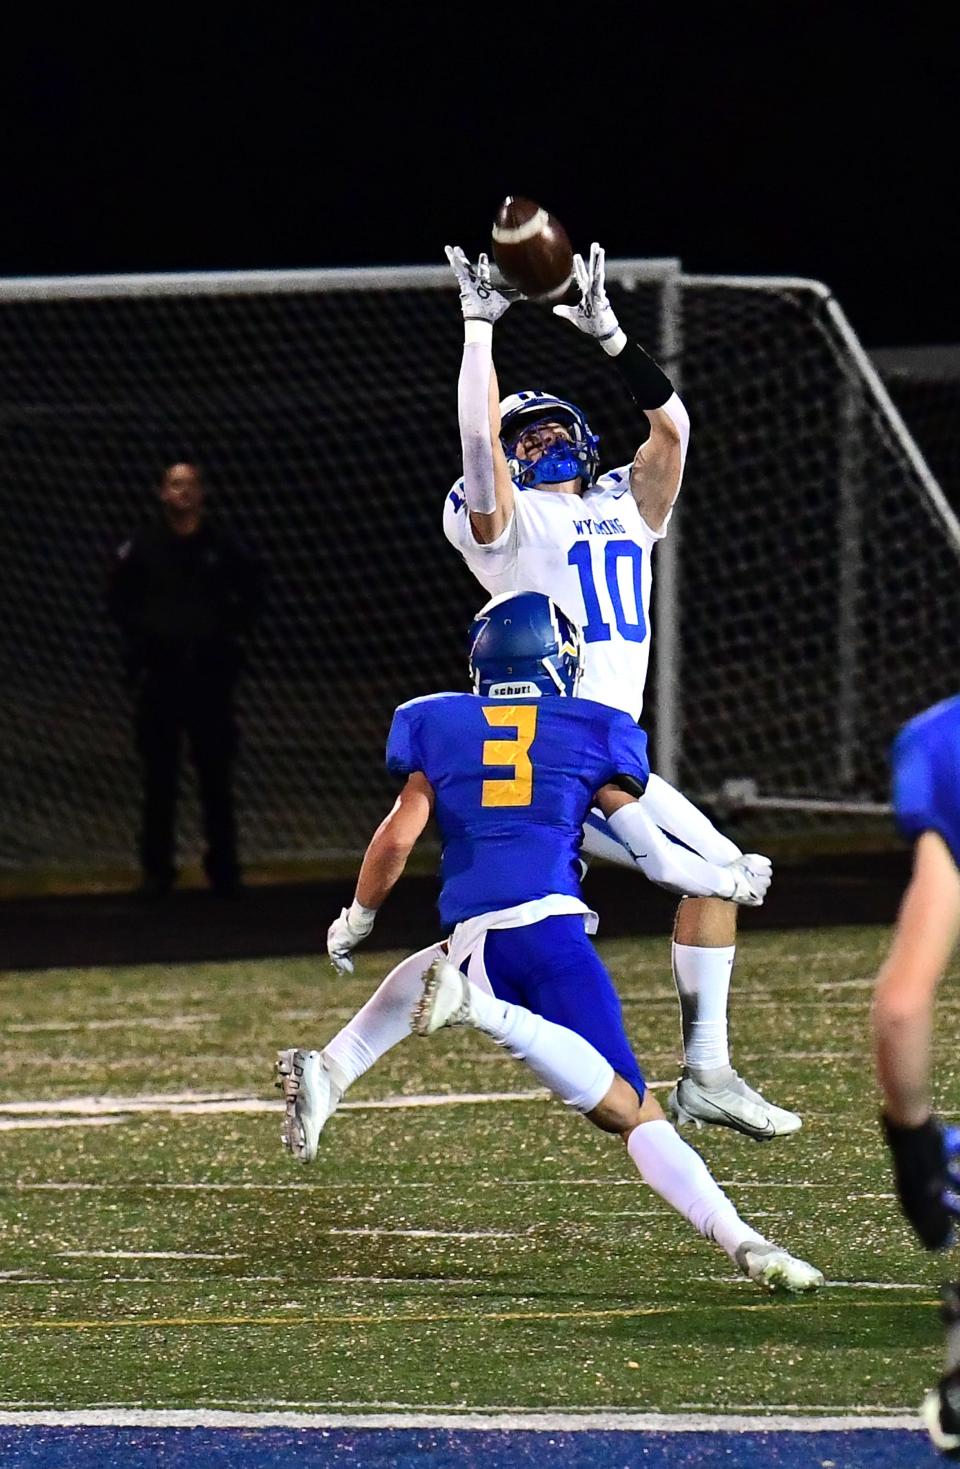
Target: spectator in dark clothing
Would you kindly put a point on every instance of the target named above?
(184, 591)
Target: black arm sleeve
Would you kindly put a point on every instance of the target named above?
(649, 387)
(629, 784)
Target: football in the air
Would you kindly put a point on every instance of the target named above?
(532, 250)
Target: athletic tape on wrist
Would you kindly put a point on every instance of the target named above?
(359, 916)
(615, 343)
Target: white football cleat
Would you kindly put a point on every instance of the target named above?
(311, 1097)
(932, 1411)
(729, 1103)
(445, 999)
(776, 1270)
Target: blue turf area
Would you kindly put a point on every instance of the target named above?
(410, 1448)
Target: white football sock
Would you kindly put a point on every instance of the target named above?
(570, 1066)
(383, 1021)
(680, 1176)
(702, 978)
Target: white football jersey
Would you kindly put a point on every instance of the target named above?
(592, 554)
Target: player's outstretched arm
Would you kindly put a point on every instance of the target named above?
(487, 485)
(924, 1157)
(673, 812)
(672, 866)
(657, 469)
(924, 938)
(382, 866)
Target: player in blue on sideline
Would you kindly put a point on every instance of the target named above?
(926, 1154)
(510, 772)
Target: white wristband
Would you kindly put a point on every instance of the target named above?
(475, 330)
(614, 345)
(359, 916)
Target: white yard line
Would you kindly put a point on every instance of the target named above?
(141, 1255)
(782, 1002)
(764, 1056)
(446, 1100)
(853, 1410)
(754, 1183)
(589, 1420)
(184, 1104)
(23, 1277)
(397, 1280)
(203, 1186)
(372, 1232)
(142, 1022)
(830, 1284)
(24, 1124)
(879, 1285)
(83, 1282)
(98, 1106)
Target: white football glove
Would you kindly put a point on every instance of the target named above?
(480, 300)
(343, 935)
(752, 875)
(593, 314)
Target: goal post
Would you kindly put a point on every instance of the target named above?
(819, 584)
(807, 599)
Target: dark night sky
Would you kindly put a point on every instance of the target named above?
(754, 138)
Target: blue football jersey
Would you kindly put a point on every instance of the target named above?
(513, 783)
(926, 775)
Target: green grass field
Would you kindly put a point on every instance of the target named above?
(495, 1254)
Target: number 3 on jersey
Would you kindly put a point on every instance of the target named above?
(596, 629)
(518, 791)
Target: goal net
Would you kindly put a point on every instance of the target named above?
(810, 597)
(818, 575)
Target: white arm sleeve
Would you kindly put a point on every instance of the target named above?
(663, 862)
(472, 403)
(681, 818)
(675, 411)
(486, 560)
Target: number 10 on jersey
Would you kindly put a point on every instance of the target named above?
(596, 629)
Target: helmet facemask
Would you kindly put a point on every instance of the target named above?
(563, 460)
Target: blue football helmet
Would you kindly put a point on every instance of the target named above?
(523, 646)
(561, 461)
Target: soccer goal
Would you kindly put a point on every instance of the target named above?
(812, 592)
(808, 597)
